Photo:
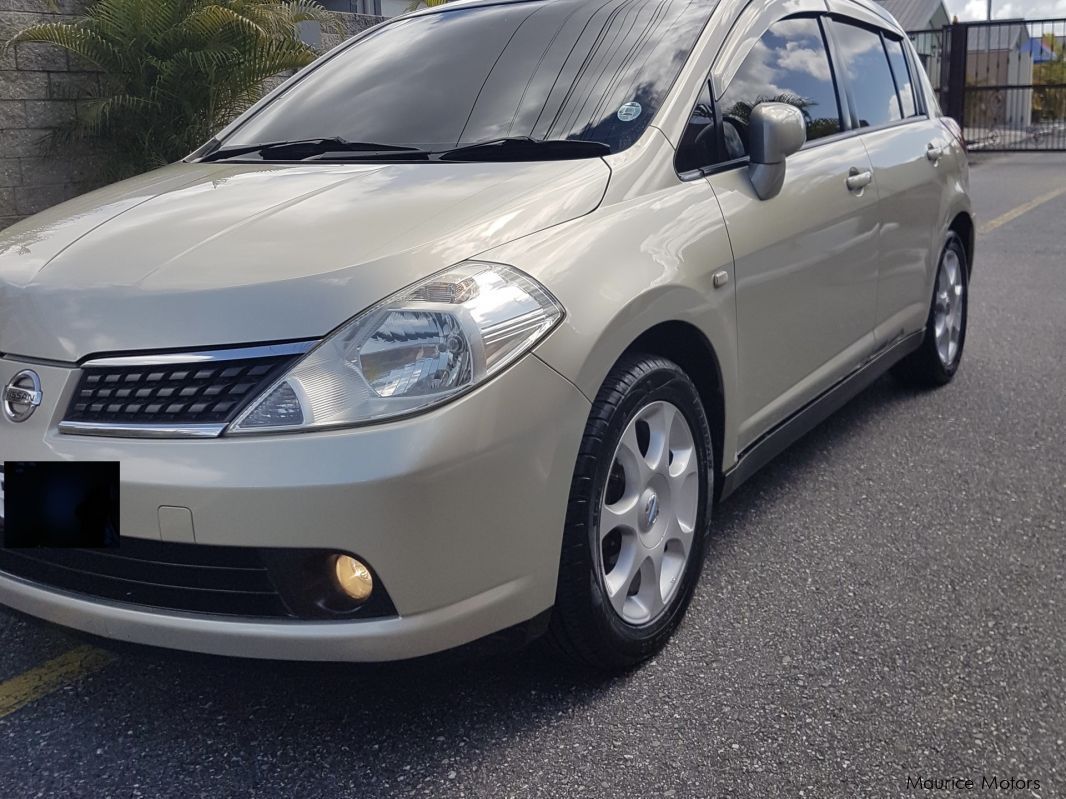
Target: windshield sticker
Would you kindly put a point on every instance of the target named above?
(630, 111)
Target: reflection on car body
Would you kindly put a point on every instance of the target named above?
(421, 350)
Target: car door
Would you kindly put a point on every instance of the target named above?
(905, 147)
(806, 261)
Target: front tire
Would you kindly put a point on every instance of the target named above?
(937, 359)
(637, 517)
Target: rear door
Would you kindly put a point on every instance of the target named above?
(807, 259)
(904, 145)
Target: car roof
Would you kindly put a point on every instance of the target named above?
(457, 5)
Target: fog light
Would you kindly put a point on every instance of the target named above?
(354, 578)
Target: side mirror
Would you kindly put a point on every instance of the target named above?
(775, 131)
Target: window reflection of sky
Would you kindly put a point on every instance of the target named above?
(862, 57)
(788, 64)
(902, 74)
(558, 69)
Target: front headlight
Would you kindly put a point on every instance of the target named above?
(416, 349)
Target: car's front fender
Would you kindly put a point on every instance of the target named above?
(629, 267)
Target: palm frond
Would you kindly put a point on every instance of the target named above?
(77, 39)
(174, 71)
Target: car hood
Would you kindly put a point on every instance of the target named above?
(201, 255)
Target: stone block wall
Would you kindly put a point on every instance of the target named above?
(39, 91)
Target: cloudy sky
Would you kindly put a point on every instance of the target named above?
(1003, 9)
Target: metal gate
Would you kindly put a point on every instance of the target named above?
(1004, 82)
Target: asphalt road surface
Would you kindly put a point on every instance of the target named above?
(885, 602)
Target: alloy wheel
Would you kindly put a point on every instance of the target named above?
(949, 307)
(648, 513)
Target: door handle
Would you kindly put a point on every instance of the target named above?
(933, 153)
(857, 181)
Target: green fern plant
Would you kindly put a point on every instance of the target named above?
(175, 71)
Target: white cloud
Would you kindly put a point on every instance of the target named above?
(802, 59)
(906, 95)
(1007, 9)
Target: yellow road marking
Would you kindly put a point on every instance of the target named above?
(49, 677)
(1010, 216)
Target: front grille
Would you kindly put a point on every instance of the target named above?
(190, 393)
(187, 577)
(198, 578)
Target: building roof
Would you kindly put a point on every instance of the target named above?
(915, 15)
(1040, 52)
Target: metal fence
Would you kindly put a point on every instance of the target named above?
(1003, 81)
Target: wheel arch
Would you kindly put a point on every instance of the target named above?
(688, 347)
(962, 225)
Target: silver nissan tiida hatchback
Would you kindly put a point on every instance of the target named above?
(465, 328)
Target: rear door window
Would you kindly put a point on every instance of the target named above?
(860, 56)
(901, 72)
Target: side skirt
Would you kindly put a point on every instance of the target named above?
(772, 443)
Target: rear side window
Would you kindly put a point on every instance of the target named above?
(901, 72)
(872, 91)
(789, 64)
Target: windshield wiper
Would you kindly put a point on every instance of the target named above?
(524, 148)
(516, 148)
(308, 148)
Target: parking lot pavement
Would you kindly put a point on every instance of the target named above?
(885, 601)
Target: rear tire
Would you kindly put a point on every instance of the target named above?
(637, 517)
(937, 359)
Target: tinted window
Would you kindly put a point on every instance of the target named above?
(901, 72)
(862, 59)
(788, 64)
(550, 69)
(697, 146)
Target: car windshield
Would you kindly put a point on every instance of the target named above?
(587, 70)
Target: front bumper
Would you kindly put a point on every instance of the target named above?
(459, 511)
